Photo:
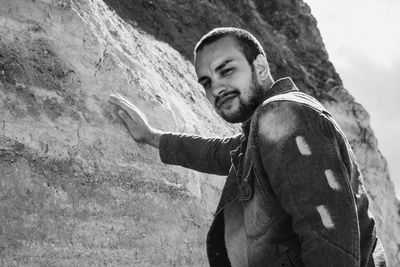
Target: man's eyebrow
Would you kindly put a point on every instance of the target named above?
(218, 68)
(223, 64)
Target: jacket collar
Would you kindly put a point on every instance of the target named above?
(281, 86)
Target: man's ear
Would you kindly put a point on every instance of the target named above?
(261, 67)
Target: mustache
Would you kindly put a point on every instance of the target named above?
(220, 99)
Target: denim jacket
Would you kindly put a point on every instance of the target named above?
(296, 178)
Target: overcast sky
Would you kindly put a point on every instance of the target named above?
(362, 38)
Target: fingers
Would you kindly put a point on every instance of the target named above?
(134, 120)
(118, 100)
(126, 120)
(127, 106)
(124, 117)
(122, 114)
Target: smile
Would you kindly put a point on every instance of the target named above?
(225, 99)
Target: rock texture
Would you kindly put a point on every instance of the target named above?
(75, 189)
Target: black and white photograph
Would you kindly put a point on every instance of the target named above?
(218, 133)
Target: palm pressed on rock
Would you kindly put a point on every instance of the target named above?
(135, 121)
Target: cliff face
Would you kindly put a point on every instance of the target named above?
(75, 189)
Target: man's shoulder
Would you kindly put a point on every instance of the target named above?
(283, 105)
(295, 98)
(283, 114)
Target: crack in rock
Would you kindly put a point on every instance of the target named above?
(78, 134)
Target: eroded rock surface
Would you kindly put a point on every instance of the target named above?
(75, 189)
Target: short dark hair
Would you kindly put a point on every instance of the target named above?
(250, 46)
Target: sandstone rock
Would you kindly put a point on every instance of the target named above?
(75, 189)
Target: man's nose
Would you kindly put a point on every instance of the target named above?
(218, 89)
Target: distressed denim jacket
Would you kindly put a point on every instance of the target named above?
(295, 175)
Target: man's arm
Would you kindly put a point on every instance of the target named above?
(210, 155)
(304, 167)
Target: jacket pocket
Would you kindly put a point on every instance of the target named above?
(257, 210)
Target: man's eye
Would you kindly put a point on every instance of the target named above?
(226, 72)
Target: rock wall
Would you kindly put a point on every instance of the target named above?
(75, 189)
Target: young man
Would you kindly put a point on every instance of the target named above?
(294, 194)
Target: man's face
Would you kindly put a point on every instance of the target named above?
(228, 79)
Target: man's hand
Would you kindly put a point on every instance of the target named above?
(135, 121)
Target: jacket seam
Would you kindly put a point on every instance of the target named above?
(336, 246)
(271, 214)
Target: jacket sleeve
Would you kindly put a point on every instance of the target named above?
(305, 170)
(209, 155)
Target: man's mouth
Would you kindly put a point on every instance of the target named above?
(225, 99)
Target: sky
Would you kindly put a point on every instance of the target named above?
(362, 38)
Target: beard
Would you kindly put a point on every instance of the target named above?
(246, 107)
